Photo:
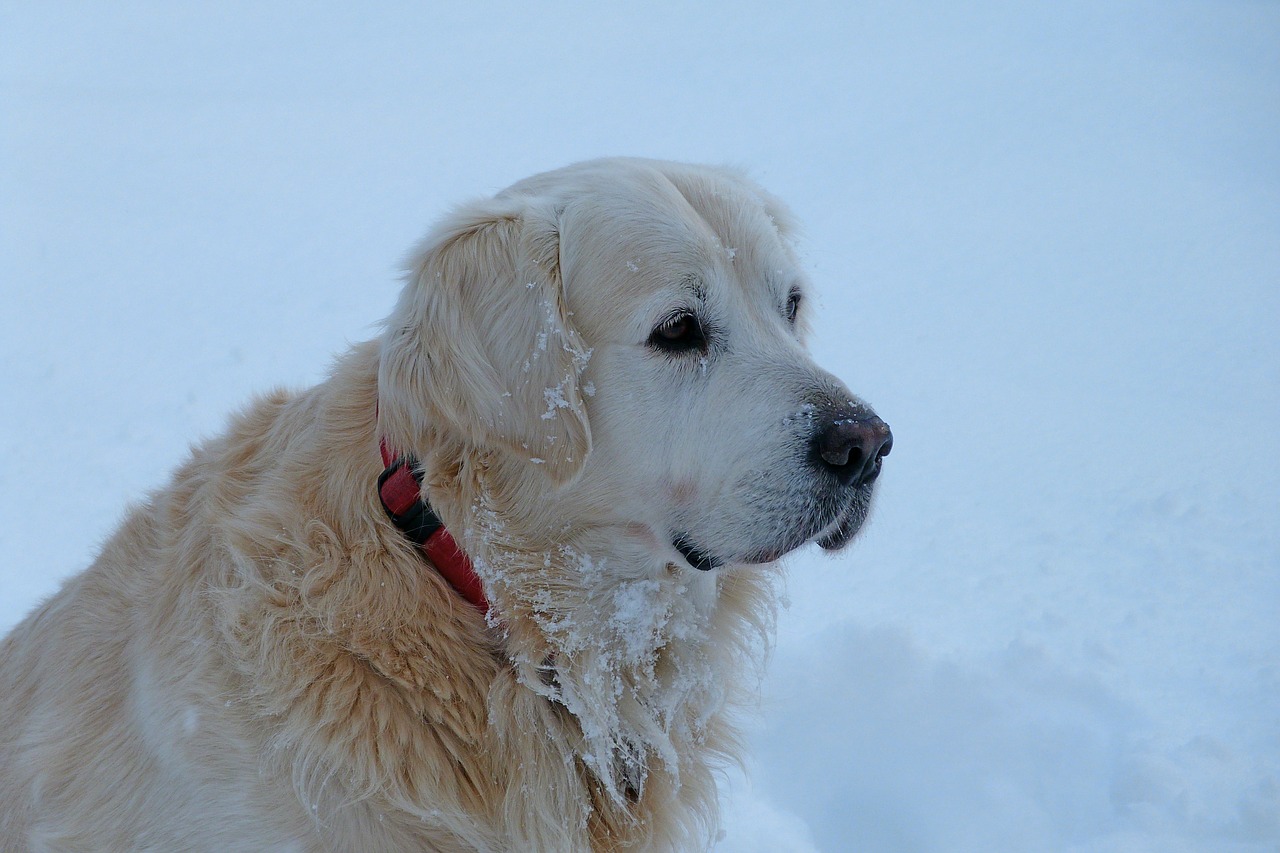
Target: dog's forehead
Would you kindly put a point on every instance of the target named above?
(656, 206)
(637, 235)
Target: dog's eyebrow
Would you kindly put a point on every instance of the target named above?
(695, 285)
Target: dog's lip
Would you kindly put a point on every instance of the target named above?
(838, 538)
(696, 557)
(847, 524)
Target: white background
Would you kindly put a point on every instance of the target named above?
(1046, 239)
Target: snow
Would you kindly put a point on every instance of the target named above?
(1045, 247)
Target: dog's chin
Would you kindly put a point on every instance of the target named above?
(705, 561)
(841, 534)
(846, 526)
(832, 534)
(777, 552)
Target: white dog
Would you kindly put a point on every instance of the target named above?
(596, 381)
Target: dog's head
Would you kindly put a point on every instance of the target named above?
(629, 335)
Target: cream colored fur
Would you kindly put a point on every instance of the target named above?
(259, 660)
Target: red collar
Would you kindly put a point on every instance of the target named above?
(400, 488)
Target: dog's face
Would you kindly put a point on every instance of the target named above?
(631, 333)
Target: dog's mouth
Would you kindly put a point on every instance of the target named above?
(845, 527)
(705, 561)
(832, 529)
(696, 557)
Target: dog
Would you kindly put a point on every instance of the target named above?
(504, 581)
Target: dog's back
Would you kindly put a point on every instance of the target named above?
(119, 729)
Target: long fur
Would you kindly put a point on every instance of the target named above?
(259, 659)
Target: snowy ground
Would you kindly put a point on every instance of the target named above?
(1047, 237)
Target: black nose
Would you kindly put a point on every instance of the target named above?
(852, 447)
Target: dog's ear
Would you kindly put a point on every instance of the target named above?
(481, 343)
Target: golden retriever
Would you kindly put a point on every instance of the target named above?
(598, 383)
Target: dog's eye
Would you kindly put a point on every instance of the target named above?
(679, 333)
(793, 306)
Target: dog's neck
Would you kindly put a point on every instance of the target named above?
(645, 655)
(400, 489)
